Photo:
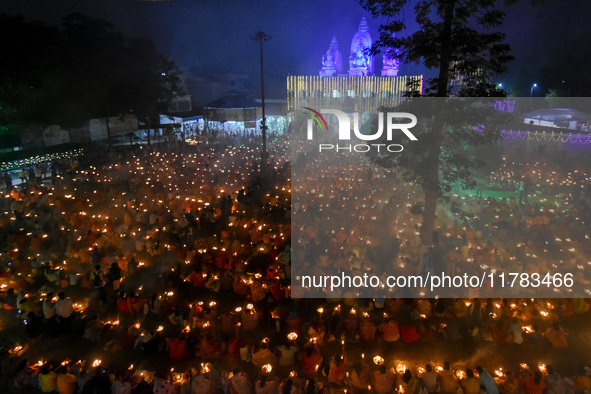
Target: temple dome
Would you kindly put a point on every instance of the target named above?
(332, 60)
(361, 63)
(335, 54)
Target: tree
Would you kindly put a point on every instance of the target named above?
(77, 71)
(112, 75)
(455, 38)
(25, 46)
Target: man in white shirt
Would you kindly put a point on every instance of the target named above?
(429, 379)
(287, 355)
(516, 331)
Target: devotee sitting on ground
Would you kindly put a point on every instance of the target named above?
(516, 332)
(408, 383)
(581, 382)
(510, 385)
(336, 371)
(360, 377)
(447, 380)
(26, 376)
(64, 310)
(383, 380)
(311, 360)
(556, 335)
(532, 384)
(47, 379)
(470, 385)
(240, 384)
(263, 386)
(262, 355)
(486, 381)
(429, 379)
(554, 382)
(287, 354)
(66, 382)
(10, 300)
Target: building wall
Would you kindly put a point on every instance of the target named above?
(366, 94)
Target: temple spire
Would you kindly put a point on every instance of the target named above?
(390, 63)
(332, 61)
(361, 62)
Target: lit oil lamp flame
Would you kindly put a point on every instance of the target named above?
(160, 328)
(320, 310)
(542, 367)
(378, 360)
(400, 368)
(96, 363)
(15, 349)
(292, 336)
(460, 374)
(267, 368)
(205, 368)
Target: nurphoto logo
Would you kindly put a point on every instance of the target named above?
(392, 124)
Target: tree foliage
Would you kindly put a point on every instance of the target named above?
(456, 37)
(79, 70)
(461, 41)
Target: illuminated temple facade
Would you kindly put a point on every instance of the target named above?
(358, 89)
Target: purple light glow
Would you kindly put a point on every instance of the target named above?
(553, 137)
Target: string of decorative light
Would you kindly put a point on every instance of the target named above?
(553, 136)
(7, 165)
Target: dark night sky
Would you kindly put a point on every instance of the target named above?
(547, 40)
